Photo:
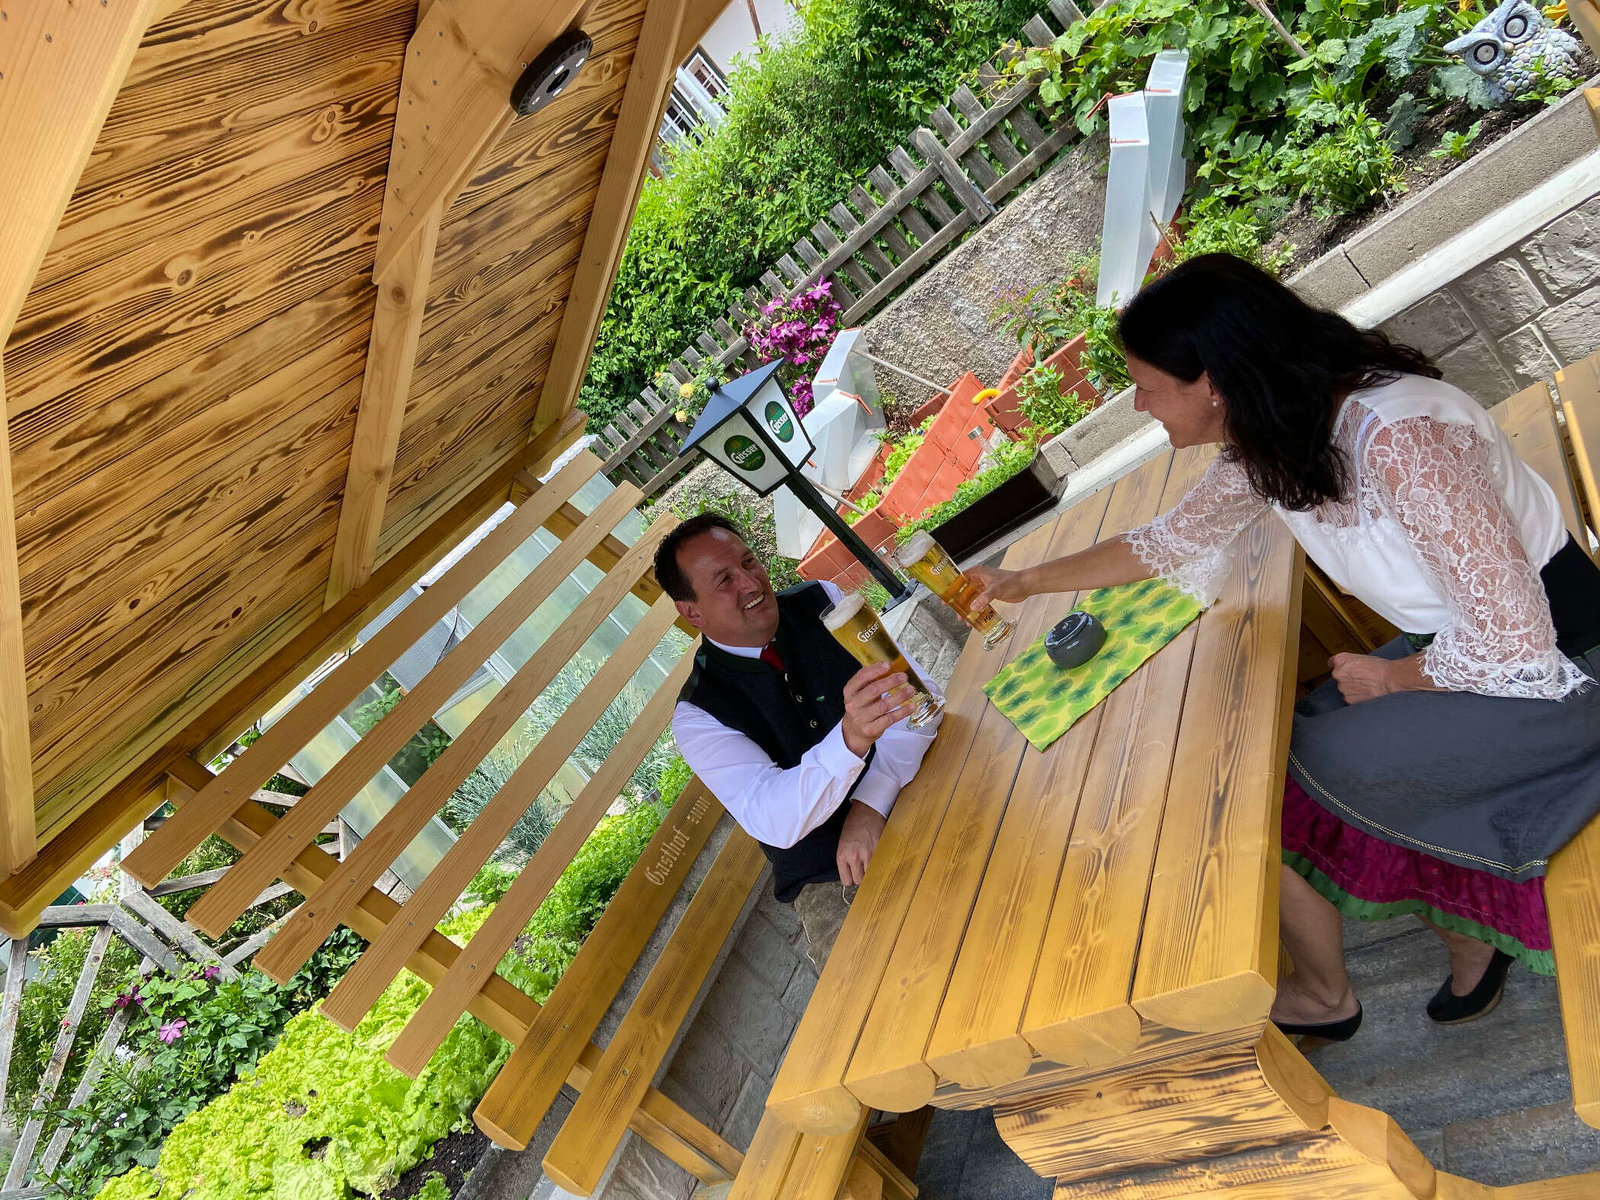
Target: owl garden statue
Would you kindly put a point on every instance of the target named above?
(1504, 46)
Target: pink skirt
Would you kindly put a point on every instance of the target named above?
(1371, 879)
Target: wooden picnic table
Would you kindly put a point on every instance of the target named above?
(1085, 938)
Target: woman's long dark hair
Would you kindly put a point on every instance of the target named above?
(1279, 364)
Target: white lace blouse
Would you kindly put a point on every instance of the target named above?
(1445, 532)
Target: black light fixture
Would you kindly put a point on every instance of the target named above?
(750, 430)
(551, 72)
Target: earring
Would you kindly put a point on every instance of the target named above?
(1216, 404)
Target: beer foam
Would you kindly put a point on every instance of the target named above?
(841, 612)
(918, 544)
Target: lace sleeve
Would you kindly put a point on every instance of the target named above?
(1191, 544)
(1434, 477)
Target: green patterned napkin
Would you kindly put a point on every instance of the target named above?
(1044, 700)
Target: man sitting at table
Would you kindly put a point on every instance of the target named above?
(804, 747)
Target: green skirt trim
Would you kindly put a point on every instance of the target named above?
(1540, 962)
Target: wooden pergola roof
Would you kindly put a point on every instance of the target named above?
(288, 302)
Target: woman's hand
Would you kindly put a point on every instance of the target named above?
(998, 584)
(1366, 676)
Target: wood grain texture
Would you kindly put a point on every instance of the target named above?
(1182, 1110)
(431, 1023)
(638, 124)
(159, 855)
(1579, 386)
(18, 836)
(821, 1164)
(391, 359)
(1529, 420)
(1375, 1136)
(367, 978)
(809, 1091)
(395, 830)
(1079, 1010)
(517, 1100)
(1208, 956)
(594, 1128)
(766, 1162)
(455, 95)
(61, 65)
(1574, 905)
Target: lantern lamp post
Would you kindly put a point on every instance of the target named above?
(750, 430)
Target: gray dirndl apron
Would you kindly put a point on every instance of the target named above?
(1493, 783)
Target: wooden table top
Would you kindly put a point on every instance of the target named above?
(1026, 909)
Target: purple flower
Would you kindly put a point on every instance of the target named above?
(131, 996)
(210, 973)
(172, 1031)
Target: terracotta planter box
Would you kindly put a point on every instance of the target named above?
(1006, 408)
(1025, 495)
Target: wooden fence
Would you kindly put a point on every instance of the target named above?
(908, 212)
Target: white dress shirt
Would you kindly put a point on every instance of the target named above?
(777, 806)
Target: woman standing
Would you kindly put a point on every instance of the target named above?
(1438, 775)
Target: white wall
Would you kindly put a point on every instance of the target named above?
(733, 32)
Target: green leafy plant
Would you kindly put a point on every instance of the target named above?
(865, 504)
(1457, 144)
(435, 1187)
(1008, 459)
(900, 450)
(1213, 225)
(674, 778)
(1548, 86)
(1340, 158)
(479, 788)
(875, 594)
(1047, 408)
(420, 751)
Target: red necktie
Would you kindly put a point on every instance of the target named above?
(769, 655)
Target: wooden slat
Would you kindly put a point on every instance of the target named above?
(821, 1163)
(366, 979)
(897, 1184)
(890, 1068)
(62, 65)
(18, 834)
(902, 274)
(993, 138)
(977, 1042)
(649, 83)
(517, 1100)
(870, 208)
(28, 1140)
(287, 952)
(454, 100)
(391, 359)
(1529, 420)
(876, 258)
(1574, 903)
(809, 1092)
(1579, 386)
(1208, 954)
(861, 1182)
(431, 1023)
(11, 1004)
(155, 859)
(594, 1128)
(766, 1162)
(497, 1003)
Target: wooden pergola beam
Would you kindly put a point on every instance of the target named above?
(455, 99)
(18, 840)
(650, 79)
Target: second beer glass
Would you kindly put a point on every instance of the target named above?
(859, 629)
(926, 561)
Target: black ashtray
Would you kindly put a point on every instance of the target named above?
(1075, 639)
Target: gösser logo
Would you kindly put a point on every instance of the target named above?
(746, 455)
(867, 634)
(778, 421)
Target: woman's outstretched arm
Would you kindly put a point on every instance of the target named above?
(1103, 564)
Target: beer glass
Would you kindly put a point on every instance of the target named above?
(926, 561)
(859, 629)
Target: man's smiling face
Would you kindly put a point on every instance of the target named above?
(733, 599)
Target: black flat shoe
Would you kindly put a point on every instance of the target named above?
(1328, 1031)
(1447, 1008)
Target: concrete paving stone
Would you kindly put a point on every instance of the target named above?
(643, 1173)
(944, 1154)
(1474, 369)
(1573, 328)
(741, 1124)
(781, 916)
(750, 1015)
(1433, 324)
(1528, 357)
(704, 1077)
(798, 994)
(767, 952)
(1536, 1143)
(993, 1170)
(1565, 254)
(1501, 294)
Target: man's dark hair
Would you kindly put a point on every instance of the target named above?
(668, 574)
(1279, 364)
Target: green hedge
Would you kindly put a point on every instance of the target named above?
(806, 122)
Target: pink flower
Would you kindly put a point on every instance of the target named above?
(172, 1031)
(131, 996)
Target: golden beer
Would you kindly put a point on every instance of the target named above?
(859, 629)
(927, 562)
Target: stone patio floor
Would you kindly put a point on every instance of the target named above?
(1489, 1101)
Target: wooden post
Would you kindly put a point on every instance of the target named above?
(17, 837)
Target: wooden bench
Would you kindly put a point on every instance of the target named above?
(785, 1164)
